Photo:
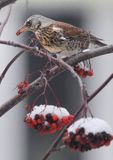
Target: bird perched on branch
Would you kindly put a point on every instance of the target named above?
(59, 37)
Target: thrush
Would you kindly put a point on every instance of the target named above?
(59, 37)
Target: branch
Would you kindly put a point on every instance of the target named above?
(4, 3)
(76, 114)
(100, 88)
(9, 65)
(73, 60)
(11, 62)
(91, 54)
(37, 85)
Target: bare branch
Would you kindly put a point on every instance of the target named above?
(6, 20)
(9, 65)
(101, 87)
(4, 3)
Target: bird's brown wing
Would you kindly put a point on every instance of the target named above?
(73, 31)
(70, 30)
(78, 33)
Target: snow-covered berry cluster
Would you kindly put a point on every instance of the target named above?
(82, 70)
(88, 133)
(48, 119)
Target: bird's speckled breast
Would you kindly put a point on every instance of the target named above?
(50, 40)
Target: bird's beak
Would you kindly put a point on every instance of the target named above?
(21, 30)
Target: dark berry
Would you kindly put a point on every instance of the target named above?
(39, 127)
(75, 144)
(81, 131)
(90, 135)
(49, 117)
(36, 117)
(97, 139)
(83, 148)
(88, 147)
(72, 135)
(106, 137)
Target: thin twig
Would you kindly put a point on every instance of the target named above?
(9, 65)
(4, 3)
(76, 114)
(60, 148)
(6, 20)
(100, 88)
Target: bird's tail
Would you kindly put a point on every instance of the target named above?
(97, 42)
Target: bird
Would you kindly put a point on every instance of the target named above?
(59, 37)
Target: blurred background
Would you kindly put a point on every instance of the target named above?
(17, 141)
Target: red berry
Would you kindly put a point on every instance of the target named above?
(53, 126)
(28, 120)
(81, 73)
(107, 143)
(20, 85)
(77, 130)
(70, 117)
(65, 120)
(90, 73)
(78, 138)
(25, 84)
(34, 122)
(55, 117)
(39, 121)
(84, 75)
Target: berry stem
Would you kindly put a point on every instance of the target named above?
(100, 88)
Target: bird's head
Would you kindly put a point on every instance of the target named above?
(34, 23)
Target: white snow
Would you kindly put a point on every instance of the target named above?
(86, 50)
(83, 66)
(93, 125)
(45, 109)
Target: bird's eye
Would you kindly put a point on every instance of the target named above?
(28, 23)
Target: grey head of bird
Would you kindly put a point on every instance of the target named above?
(34, 23)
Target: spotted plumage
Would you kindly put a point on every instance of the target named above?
(59, 37)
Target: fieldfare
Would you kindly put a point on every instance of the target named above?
(59, 37)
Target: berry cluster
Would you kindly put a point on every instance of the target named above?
(83, 71)
(21, 86)
(48, 119)
(87, 134)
